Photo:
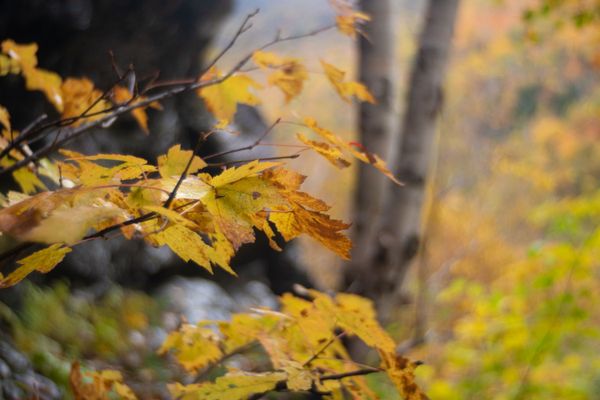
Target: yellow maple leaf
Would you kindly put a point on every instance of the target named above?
(42, 261)
(331, 153)
(80, 95)
(174, 162)
(194, 347)
(188, 245)
(28, 181)
(234, 174)
(235, 205)
(89, 173)
(288, 75)
(233, 386)
(35, 78)
(346, 89)
(222, 99)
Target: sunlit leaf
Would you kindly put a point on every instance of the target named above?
(35, 78)
(222, 99)
(233, 386)
(82, 99)
(175, 161)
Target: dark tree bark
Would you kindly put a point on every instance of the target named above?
(374, 125)
(400, 235)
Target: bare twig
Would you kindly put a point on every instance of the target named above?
(228, 163)
(256, 143)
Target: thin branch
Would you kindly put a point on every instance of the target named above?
(118, 110)
(228, 163)
(279, 39)
(249, 147)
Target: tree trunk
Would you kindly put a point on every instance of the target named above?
(375, 126)
(400, 236)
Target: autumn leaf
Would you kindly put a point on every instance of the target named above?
(233, 386)
(42, 261)
(80, 96)
(288, 73)
(90, 173)
(193, 346)
(348, 20)
(175, 161)
(331, 152)
(356, 149)
(28, 181)
(222, 99)
(35, 78)
(188, 245)
(346, 89)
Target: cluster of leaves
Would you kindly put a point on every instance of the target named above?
(303, 343)
(202, 218)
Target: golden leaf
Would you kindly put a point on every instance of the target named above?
(186, 244)
(288, 75)
(42, 261)
(35, 78)
(175, 161)
(233, 386)
(28, 181)
(80, 96)
(222, 99)
(330, 152)
(348, 20)
(234, 174)
(194, 347)
(89, 173)
(356, 149)
(346, 89)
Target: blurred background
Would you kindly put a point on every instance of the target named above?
(488, 259)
